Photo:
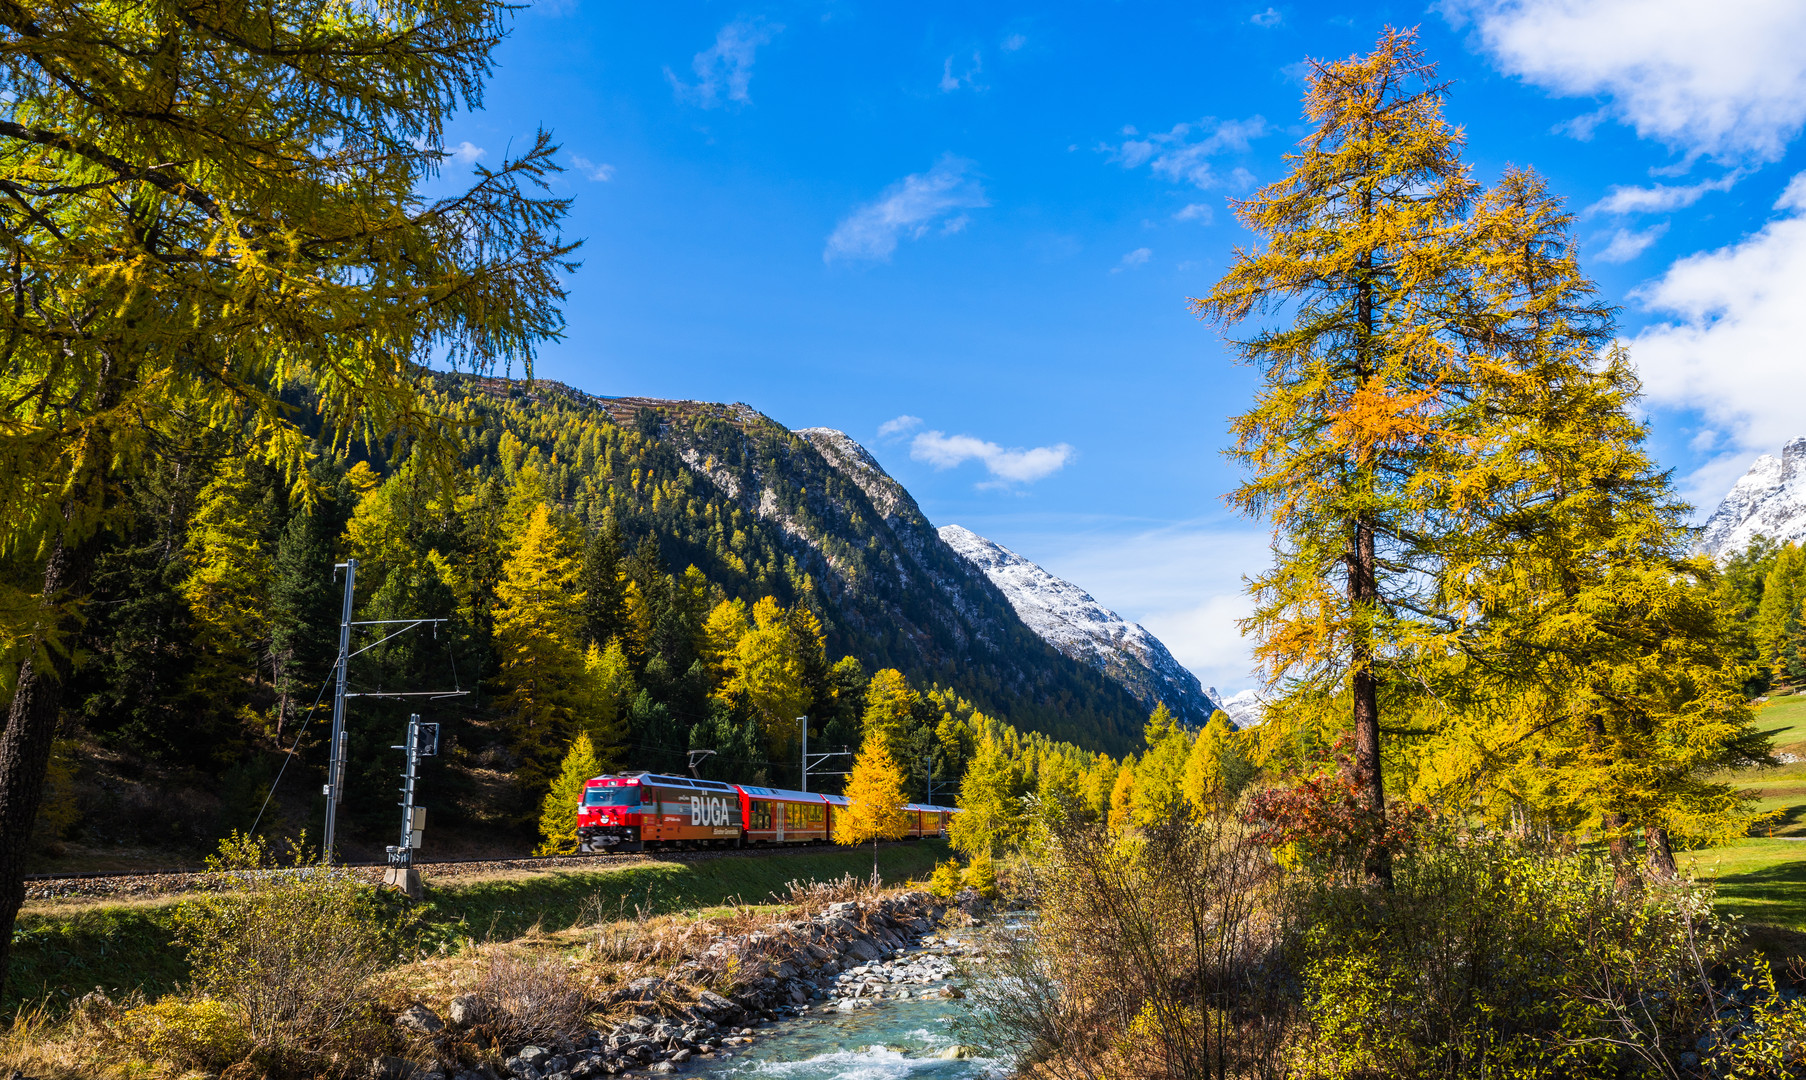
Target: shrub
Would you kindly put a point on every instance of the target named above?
(291, 947)
(981, 874)
(946, 879)
(532, 1001)
(189, 1033)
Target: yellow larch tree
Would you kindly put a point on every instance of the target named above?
(540, 672)
(875, 801)
(1361, 246)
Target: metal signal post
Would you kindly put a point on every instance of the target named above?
(335, 767)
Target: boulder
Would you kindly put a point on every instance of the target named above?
(420, 1020)
(466, 1010)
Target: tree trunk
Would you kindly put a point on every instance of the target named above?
(1363, 597)
(1624, 862)
(1661, 854)
(26, 742)
(1363, 602)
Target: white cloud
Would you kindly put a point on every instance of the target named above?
(1733, 351)
(1006, 466)
(1727, 80)
(1627, 245)
(1182, 154)
(950, 81)
(1267, 19)
(599, 172)
(910, 207)
(1013, 43)
(1182, 582)
(1198, 212)
(1133, 259)
(725, 66)
(1659, 198)
(899, 426)
(465, 153)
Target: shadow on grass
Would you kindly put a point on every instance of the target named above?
(1774, 894)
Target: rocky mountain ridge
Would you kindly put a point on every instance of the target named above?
(1072, 621)
(1768, 500)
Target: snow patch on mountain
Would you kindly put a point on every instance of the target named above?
(1069, 619)
(1770, 500)
(1245, 708)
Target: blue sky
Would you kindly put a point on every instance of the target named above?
(965, 234)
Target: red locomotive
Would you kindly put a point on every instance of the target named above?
(637, 811)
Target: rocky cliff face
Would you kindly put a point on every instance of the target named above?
(1770, 500)
(1069, 619)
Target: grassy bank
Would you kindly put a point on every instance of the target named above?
(1763, 879)
(61, 951)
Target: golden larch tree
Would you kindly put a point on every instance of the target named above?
(1361, 245)
(875, 802)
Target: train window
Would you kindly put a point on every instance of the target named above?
(611, 796)
(761, 815)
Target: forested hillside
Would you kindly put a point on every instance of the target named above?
(666, 576)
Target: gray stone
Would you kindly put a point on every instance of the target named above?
(392, 1068)
(663, 1067)
(863, 949)
(466, 1010)
(420, 1020)
(646, 987)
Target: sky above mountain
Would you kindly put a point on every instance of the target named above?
(965, 234)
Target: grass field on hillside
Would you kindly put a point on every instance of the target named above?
(63, 951)
(1763, 879)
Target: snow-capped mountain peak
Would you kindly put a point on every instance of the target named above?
(1769, 500)
(1072, 621)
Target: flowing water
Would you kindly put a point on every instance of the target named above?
(889, 1041)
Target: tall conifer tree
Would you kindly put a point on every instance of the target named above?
(1362, 244)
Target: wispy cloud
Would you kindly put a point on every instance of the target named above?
(1198, 212)
(726, 67)
(1626, 245)
(465, 153)
(1013, 43)
(912, 207)
(1659, 198)
(1728, 80)
(1133, 259)
(901, 425)
(1183, 154)
(1006, 465)
(967, 77)
(600, 172)
(1267, 19)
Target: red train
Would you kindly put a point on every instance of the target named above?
(636, 811)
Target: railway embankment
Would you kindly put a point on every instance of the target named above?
(117, 934)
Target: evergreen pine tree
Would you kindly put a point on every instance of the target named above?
(603, 581)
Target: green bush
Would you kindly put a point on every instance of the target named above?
(945, 881)
(1491, 959)
(188, 1033)
(291, 947)
(981, 874)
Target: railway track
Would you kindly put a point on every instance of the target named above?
(146, 883)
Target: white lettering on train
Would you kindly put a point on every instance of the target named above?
(707, 811)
